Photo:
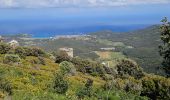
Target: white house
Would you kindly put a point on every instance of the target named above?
(1, 39)
(13, 43)
(108, 49)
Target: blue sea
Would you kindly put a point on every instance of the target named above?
(48, 22)
(51, 31)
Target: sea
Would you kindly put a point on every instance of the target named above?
(49, 22)
(48, 32)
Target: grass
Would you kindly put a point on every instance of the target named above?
(31, 81)
(110, 43)
(117, 55)
(110, 58)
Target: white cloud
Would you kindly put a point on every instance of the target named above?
(75, 3)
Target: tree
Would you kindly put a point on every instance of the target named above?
(21, 52)
(156, 87)
(60, 85)
(37, 52)
(164, 49)
(6, 86)
(61, 56)
(4, 48)
(86, 91)
(129, 68)
(11, 58)
(67, 68)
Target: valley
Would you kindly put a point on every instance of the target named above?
(140, 45)
(30, 67)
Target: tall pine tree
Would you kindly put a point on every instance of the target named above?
(165, 47)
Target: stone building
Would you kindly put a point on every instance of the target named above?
(69, 51)
(108, 49)
(1, 39)
(13, 43)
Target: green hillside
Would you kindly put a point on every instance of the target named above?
(141, 46)
(28, 73)
(145, 44)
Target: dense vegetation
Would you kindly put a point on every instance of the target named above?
(143, 46)
(165, 47)
(30, 73)
(82, 48)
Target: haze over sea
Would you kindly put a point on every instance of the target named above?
(47, 22)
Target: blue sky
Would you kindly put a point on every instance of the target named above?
(74, 3)
(24, 15)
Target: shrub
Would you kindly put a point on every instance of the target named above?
(31, 51)
(2, 95)
(112, 93)
(94, 74)
(60, 85)
(100, 69)
(129, 68)
(86, 91)
(52, 57)
(41, 60)
(41, 95)
(62, 56)
(108, 85)
(6, 86)
(89, 83)
(4, 48)
(25, 51)
(79, 64)
(67, 68)
(108, 70)
(107, 77)
(37, 52)
(133, 86)
(88, 66)
(11, 58)
(156, 87)
(21, 52)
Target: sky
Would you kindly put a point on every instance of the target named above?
(72, 15)
(74, 3)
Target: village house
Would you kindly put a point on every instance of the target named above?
(1, 39)
(108, 49)
(13, 43)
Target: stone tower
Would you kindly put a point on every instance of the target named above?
(69, 51)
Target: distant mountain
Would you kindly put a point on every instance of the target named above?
(145, 43)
